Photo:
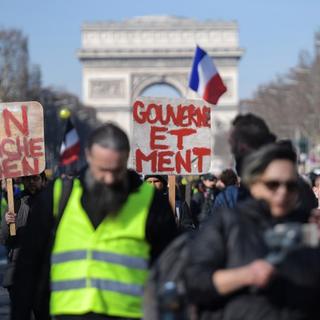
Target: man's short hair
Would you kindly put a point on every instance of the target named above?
(252, 131)
(109, 136)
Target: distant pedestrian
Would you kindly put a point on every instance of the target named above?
(202, 201)
(315, 182)
(227, 178)
(182, 212)
(23, 204)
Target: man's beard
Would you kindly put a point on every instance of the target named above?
(106, 199)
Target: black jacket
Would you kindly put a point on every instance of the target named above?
(31, 281)
(22, 205)
(234, 238)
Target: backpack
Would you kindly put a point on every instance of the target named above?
(165, 294)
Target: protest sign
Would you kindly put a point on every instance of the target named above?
(22, 151)
(171, 136)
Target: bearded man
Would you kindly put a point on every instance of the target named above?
(106, 234)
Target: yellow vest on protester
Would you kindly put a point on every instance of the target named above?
(100, 270)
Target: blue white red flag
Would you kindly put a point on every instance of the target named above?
(70, 147)
(205, 79)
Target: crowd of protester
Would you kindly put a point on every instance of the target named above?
(85, 244)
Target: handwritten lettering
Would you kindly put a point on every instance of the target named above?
(21, 149)
(173, 137)
(180, 116)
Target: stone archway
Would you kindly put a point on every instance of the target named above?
(142, 82)
(160, 90)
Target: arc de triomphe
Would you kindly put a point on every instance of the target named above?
(122, 59)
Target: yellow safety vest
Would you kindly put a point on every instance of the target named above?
(100, 270)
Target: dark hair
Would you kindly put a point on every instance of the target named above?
(109, 136)
(256, 162)
(286, 143)
(252, 131)
(229, 177)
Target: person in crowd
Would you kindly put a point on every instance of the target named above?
(183, 216)
(230, 273)
(197, 186)
(202, 201)
(107, 232)
(23, 203)
(160, 182)
(17, 191)
(227, 178)
(229, 184)
(248, 133)
(315, 183)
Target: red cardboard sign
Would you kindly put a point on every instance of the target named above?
(171, 136)
(22, 150)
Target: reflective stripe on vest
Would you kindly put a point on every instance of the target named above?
(128, 261)
(101, 270)
(130, 289)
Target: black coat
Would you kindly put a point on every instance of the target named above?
(234, 238)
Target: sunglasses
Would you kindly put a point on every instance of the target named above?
(274, 185)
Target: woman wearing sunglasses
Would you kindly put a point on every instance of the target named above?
(229, 275)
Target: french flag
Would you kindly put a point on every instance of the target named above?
(70, 147)
(205, 79)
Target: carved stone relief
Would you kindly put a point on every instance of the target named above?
(107, 89)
